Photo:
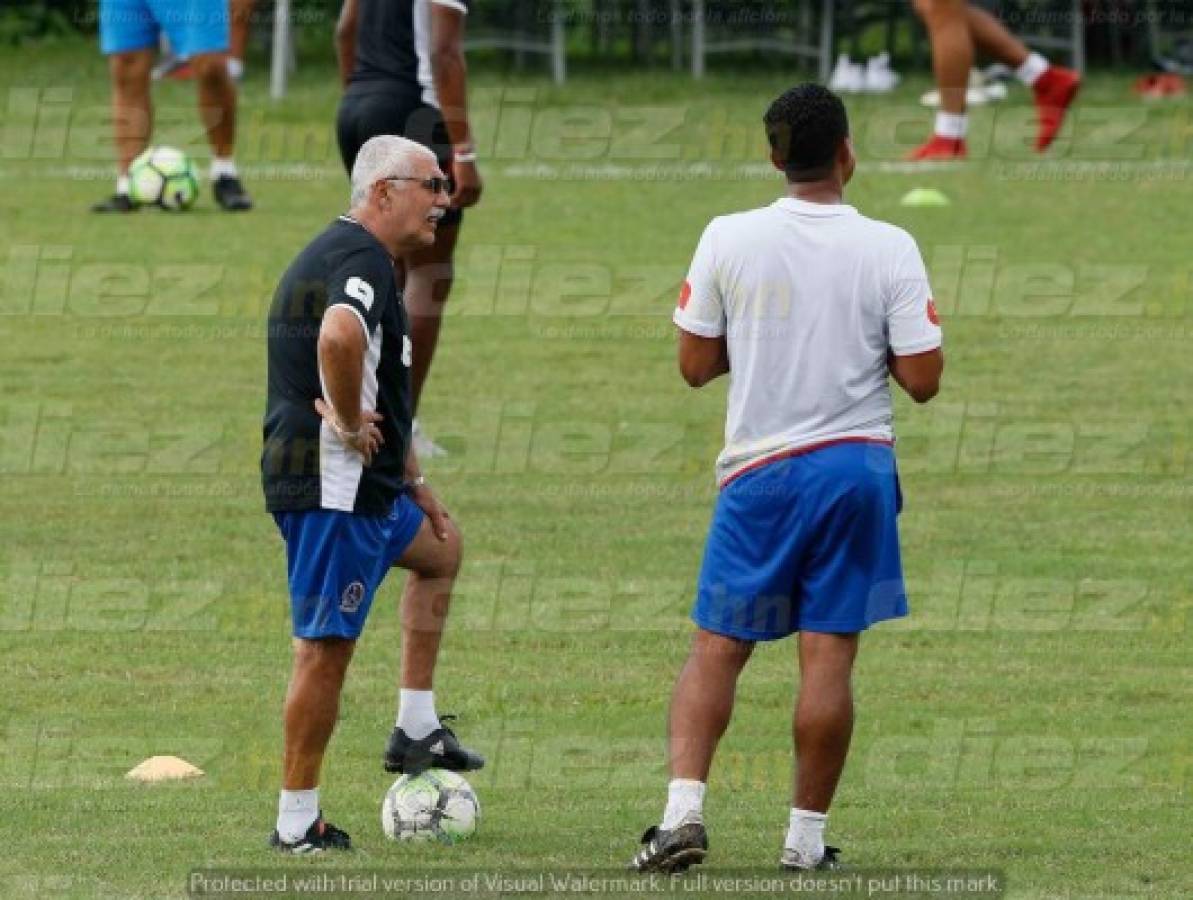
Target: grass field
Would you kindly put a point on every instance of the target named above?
(1031, 717)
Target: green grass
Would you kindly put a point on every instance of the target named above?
(1031, 716)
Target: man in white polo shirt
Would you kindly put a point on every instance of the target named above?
(808, 306)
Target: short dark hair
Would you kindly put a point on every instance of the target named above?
(805, 127)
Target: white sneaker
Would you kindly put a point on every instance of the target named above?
(848, 77)
(424, 447)
(879, 78)
(979, 92)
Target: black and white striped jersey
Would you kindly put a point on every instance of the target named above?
(393, 46)
(303, 464)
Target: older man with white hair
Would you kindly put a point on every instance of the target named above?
(343, 483)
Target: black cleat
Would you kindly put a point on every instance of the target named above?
(319, 837)
(230, 194)
(117, 203)
(828, 863)
(438, 750)
(672, 851)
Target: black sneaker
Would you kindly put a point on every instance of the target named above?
(319, 837)
(828, 863)
(438, 750)
(117, 203)
(230, 194)
(672, 851)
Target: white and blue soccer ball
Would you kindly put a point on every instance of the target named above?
(165, 177)
(437, 805)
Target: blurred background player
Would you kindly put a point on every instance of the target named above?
(955, 28)
(402, 62)
(197, 29)
(807, 305)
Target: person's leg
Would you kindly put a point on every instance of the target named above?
(702, 702)
(433, 565)
(993, 38)
(242, 17)
(823, 717)
(309, 716)
(217, 102)
(1054, 87)
(429, 275)
(822, 729)
(952, 58)
(132, 109)
(947, 22)
(312, 704)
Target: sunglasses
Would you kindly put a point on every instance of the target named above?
(434, 184)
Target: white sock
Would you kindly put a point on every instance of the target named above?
(1031, 70)
(952, 126)
(685, 799)
(805, 835)
(235, 67)
(416, 713)
(221, 166)
(122, 184)
(297, 812)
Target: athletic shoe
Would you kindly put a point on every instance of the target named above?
(1055, 92)
(879, 77)
(319, 837)
(424, 447)
(830, 862)
(848, 77)
(438, 750)
(673, 850)
(117, 203)
(939, 149)
(230, 194)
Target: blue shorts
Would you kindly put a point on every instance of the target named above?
(335, 561)
(805, 543)
(193, 26)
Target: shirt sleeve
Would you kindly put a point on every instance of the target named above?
(460, 6)
(913, 325)
(701, 308)
(363, 282)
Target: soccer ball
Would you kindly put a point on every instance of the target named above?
(437, 805)
(163, 176)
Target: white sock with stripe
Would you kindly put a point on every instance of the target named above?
(297, 812)
(685, 799)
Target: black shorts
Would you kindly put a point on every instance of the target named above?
(366, 114)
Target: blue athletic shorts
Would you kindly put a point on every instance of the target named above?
(193, 26)
(335, 561)
(808, 542)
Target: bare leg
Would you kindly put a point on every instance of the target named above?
(132, 109)
(992, 38)
(428, 283)
(433, 566)
(312, 704)
(824, 716)
(952, 49)
(242, 17)
(703, 702)
(217, 101)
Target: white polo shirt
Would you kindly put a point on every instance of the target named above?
(810, 297)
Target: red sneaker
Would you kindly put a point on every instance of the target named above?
(1055, 92)
(939, 149)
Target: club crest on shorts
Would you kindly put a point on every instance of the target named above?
(351, 598)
